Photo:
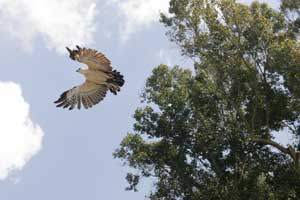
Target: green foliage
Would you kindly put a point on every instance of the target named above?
(208, 133)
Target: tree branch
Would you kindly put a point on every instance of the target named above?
(289, 150)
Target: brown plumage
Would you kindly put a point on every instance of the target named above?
(99, 78)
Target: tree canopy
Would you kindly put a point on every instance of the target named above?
(209, 133)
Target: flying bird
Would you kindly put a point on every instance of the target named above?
(99, 76)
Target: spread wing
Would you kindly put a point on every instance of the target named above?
(93, 59)
(86, 94)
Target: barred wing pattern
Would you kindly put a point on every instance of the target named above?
(93, 59)
(87, 94)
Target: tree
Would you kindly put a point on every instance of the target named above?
(209, 133)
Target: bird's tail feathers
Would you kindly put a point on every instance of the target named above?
(117, 82)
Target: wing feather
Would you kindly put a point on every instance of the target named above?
(93, 59)
(84, 103)
(78, 102)
(87, 94)
(89, 102)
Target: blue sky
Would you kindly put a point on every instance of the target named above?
(49, 153)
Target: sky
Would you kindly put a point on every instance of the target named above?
(49, 153)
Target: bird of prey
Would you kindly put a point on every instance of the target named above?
(99, 78)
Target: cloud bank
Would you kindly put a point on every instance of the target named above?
(139, 14)
(20, 138)
(58, 22)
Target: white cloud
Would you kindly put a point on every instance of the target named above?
(58, 22)
(139, 14)
(20, 138)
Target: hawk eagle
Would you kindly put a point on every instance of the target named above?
(99, 78)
